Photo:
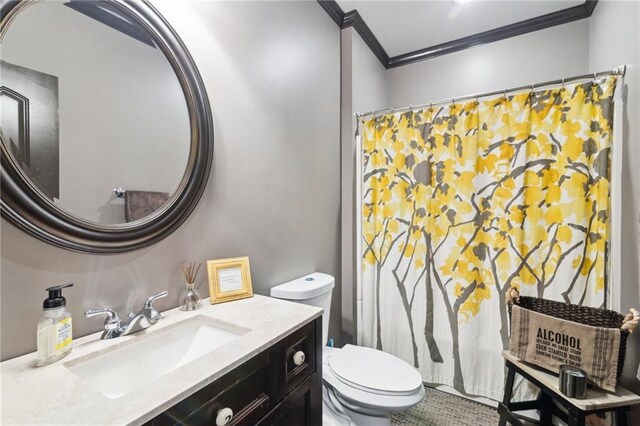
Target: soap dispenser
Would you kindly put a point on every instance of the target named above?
(54, 328)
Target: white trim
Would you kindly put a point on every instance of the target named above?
(614, 300)
(347, 202)
(358, 256)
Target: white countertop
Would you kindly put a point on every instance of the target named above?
(53, 395)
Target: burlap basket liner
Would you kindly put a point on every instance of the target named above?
(549, 342)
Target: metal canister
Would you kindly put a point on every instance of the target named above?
(573, 381)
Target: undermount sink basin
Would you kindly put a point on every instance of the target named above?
(118, 371)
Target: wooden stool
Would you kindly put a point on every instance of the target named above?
(597, 400)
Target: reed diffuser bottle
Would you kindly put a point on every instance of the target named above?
(190, 299)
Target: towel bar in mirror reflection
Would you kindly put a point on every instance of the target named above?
(119, 192)
(112, 94)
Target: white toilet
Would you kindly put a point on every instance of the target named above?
(361, 386)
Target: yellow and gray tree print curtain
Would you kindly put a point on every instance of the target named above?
(463, 201)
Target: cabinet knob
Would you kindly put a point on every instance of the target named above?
(298, 358)
(224, 416)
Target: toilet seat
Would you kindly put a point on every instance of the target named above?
(374, 371)
(366, 394)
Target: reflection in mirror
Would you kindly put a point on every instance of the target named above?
(89, 104)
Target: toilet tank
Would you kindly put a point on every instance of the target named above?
(313, 289)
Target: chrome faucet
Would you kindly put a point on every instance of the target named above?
(114, 327)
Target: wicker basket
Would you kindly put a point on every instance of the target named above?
(581, 314)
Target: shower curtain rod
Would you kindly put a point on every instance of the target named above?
(617, 71)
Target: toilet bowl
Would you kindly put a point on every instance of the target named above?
(361, 386)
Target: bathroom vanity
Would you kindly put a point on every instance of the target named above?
(256, 360)
(270, 389)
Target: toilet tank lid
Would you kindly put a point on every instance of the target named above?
(306, 287)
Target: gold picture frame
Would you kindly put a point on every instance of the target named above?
(229, 279)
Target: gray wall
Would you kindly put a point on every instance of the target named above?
(364, 88)
(531, 58)
(369, 87)
(614, 39)
(272, 72)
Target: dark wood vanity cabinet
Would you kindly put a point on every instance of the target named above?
(269, 389)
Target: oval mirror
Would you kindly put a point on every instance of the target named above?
(105, 127)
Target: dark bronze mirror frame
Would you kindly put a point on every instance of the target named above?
(28, 208)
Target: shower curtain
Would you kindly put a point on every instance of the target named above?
(461, 202)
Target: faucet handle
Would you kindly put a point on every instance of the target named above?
(112, 321)
(149, 303)
(150, 311)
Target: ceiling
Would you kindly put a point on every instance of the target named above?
(406, 26)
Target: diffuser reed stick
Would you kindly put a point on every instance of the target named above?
(190, 271)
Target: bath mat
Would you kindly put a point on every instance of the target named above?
(443, 409)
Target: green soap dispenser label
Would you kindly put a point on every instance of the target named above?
(63, 334)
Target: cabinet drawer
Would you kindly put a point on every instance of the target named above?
(245, 390)
(300, 341)
(247, 408)
(295, 409)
